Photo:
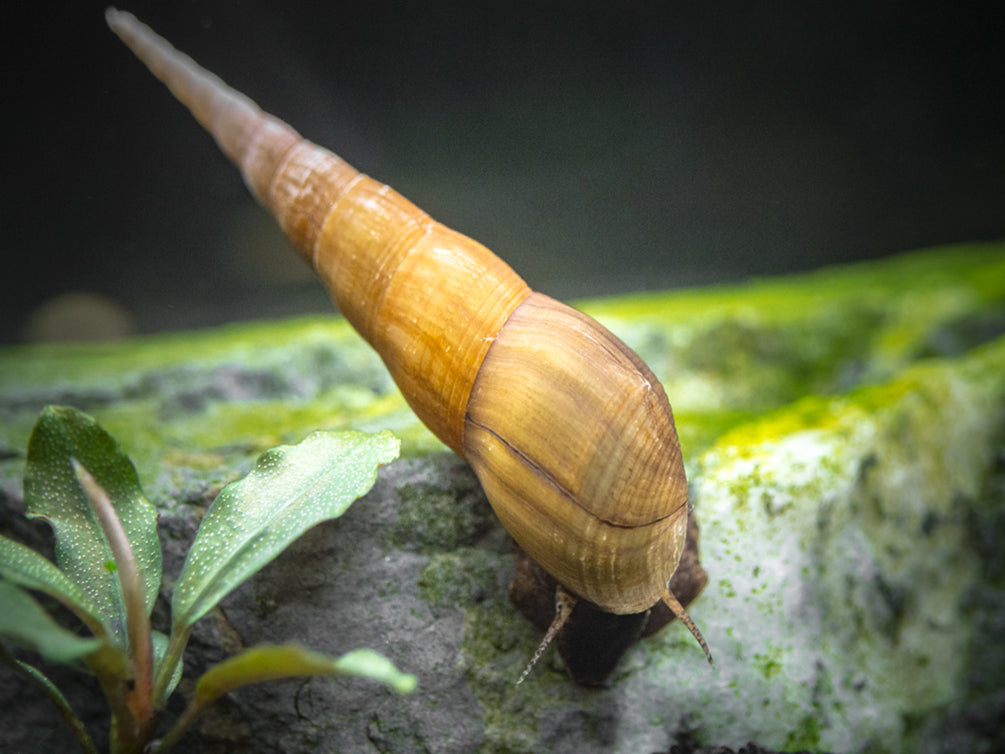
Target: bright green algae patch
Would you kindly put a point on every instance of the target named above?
(977, 271)
(731, 351)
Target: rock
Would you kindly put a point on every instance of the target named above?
(79, 316)
(843, 436)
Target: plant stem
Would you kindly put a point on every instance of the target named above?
(180, 727)
(172, 656)
(56, 697)
(140, 697)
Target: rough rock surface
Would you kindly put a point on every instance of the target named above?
(843, 434)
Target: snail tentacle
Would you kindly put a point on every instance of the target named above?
(678, 610)
(565, 602)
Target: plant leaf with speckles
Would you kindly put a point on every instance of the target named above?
(291, 488)
(52, 492)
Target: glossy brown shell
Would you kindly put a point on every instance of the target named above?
(573, 439)
(569, 432)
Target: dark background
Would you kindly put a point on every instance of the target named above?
(597, 147)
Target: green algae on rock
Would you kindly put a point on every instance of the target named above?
(243, 388)
(840, 430)
(841, 534)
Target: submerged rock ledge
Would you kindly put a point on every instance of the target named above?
(843, 436)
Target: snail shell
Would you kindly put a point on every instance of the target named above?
(568, 431)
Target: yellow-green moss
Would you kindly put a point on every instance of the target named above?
(831, 413)
(77, 364)
(979, 267)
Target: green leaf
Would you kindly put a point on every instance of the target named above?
(268, 662)
(291, 488)
(52, 492)
(24, 622)
(160, 643)
(55, 696)
(367, 663)
(27, 568)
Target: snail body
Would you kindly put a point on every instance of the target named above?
(570, 434)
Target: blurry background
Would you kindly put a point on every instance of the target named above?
(598, 147)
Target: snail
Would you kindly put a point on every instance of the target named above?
(569, 433)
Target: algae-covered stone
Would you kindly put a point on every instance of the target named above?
(842, 432)
(839, 529)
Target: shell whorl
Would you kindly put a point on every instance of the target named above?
(586, 475)
(429, 299)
